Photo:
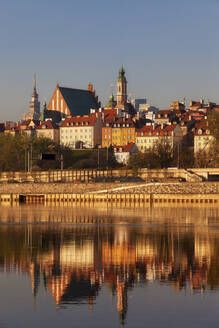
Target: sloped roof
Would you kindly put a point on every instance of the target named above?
(53, 115)
(79, 101)
(157, 130)
(29, 121)
(123, 120)
(47, 125)
(86, 120)
(125, 148)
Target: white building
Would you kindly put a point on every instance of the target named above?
(202, 140)
(122, 153)
(49, 130)
(81, 131)
(147, 137)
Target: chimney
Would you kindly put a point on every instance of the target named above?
(90, 87)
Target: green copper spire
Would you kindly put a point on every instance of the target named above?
(43, 113)
(111, 103)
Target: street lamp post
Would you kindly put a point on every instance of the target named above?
(98, 158)
(107, 157)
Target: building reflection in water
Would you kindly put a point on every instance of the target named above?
(74, 262)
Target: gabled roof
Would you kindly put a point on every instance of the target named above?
(28, 122)
(79, 101)
(47, 125)
(122, 120)
(125, 149)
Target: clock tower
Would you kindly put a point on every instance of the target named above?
(121, 88)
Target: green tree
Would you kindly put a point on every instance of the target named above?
(160, 156)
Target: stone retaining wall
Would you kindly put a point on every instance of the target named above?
(155, 188)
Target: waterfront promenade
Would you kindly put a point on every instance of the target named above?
(125, 187)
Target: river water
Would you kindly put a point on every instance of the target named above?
(109, 267)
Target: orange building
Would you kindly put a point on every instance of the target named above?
(123, 132)
(118, 132)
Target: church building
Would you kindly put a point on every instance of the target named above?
(73, 102)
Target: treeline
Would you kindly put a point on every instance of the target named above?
(14, 155)
(182, 156)
(162, 155)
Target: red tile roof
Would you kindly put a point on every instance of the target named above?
(151, 130)
(86, 120)
(125, 149)
(27, 122)
(47, 125)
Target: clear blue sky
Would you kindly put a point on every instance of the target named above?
(169, 49)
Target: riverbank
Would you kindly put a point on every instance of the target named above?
(118, 188)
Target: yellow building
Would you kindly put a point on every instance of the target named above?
(118, 132)
(123, 132)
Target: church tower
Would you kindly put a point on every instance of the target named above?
(34, 103)
(121, 88)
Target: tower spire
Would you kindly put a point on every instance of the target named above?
(121, 88)
(34, 82)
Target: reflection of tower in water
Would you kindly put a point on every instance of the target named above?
(122, 300)
(34, 270)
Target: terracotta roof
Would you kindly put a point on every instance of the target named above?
(164, 111)
(157, 130)
(123, 120)
(86, 120)
(27, 122)
(196, 104)
(47, 125)
(110, 111)
(125, 149)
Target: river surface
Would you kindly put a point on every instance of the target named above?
(109, 267)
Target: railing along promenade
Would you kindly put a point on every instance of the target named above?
(85, 175)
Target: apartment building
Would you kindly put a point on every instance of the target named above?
(81, 131)
(147, 136)
(49, 130)
(202, 140)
